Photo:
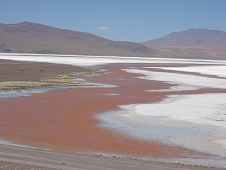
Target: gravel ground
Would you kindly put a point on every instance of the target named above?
(14, 157)
(33, 71)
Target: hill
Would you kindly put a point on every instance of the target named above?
(192, 43)
(191, 37)
(29, 37)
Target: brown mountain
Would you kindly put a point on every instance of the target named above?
(192, 43)
(191, 37)
(36, 38)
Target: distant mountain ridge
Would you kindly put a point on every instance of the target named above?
(191, 37)
(29, 37)
(192, 43)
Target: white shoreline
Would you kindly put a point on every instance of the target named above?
(219, 71)
(86, 60)
(185, 80)
(175, 121)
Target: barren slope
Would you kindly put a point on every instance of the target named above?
(192, 43)
(36, 38)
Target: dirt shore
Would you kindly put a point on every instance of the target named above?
(17, 75)
(33, 71)
(12, 157)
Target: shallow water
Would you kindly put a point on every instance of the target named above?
(26, 92)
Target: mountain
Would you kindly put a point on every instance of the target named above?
(192, 43)
(29, 37)
(191, 37)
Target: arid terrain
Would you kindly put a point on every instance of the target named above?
(27, 159)
(36, 38)
(33, 71)
(29, 37)
(192, 43)
(74, 100)
(104, 122)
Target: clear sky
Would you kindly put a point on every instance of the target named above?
(128, 20)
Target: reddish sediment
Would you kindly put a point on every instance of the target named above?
(64, 119)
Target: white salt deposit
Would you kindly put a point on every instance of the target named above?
(208, 70)
(175, 88)
(182, 79)
(192, 121)
(206, 109)
(84, 60)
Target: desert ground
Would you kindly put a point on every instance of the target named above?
(36, 159)
(121, 113)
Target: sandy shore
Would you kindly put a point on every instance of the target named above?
(64, 120)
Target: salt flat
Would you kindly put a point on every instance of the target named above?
(183, 79)
(84, 60)
(208, 70)
(195, 121)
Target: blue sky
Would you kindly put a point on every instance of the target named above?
(128, 20)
